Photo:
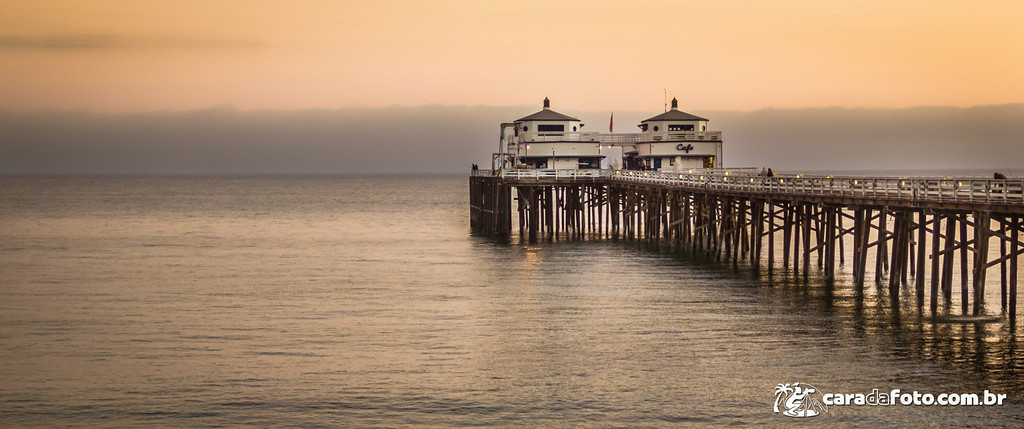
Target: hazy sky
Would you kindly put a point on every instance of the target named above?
(130, 55)
(249, 86)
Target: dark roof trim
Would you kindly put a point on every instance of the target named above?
(547, 115)
(674, 115)
(563, 156)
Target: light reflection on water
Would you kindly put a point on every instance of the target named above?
(363, 301)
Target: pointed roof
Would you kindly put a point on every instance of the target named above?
(674, 115)
(547, 115)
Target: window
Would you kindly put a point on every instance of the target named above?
(588, 163)
(680, 127)
(550, 128)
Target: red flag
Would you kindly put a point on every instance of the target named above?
(611, 122)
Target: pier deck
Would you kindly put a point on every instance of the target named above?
(921, 226)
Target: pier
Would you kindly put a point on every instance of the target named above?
(916, 228)
(672, 191)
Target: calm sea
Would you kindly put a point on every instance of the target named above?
(359, 301)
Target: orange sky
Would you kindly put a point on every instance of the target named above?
(130, 55)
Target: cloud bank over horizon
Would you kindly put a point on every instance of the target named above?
(438, 139)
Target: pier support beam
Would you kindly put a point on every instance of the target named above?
(982, 221)
(1014, 250)
(922, 235)
(936, 223)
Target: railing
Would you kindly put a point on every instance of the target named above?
(749, 171)
(747, 180)
(624, 138)
(484, 173)
(559, 137)
(619, 138)
(521, 174)
(910, 189)
(706, 135)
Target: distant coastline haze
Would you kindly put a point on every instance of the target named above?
(435, 139)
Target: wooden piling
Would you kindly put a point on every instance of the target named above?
(897, 246)
(936, 221)
(830, 243)
(882, 240)
(1002, 264)
(947, 257)
(963, 264)
(806, 228)
(771, 236)
(787, 232)
(1014, 228)
(922, 235)
(982, 222)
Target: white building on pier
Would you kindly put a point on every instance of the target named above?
(548, 140)
(551, 140)
(675, 141)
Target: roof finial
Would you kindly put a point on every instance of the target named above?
(675, 104)
(547, 103)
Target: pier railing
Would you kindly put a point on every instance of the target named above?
(560, 137)
(570, 175)
(484, 173)
(909, 189)
(621, 138)
(704, 135)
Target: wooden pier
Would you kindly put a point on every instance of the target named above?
(917, 229)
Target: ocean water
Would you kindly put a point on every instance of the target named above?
(364, 301)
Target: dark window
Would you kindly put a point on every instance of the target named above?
(655, 128)
(550, 128)
(680, 127)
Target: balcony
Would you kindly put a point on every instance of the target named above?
(685, 136)
(558, 137)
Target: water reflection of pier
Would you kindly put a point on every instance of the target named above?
(914, 226)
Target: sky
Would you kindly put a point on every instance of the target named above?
(129, 55)
(111, 61)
